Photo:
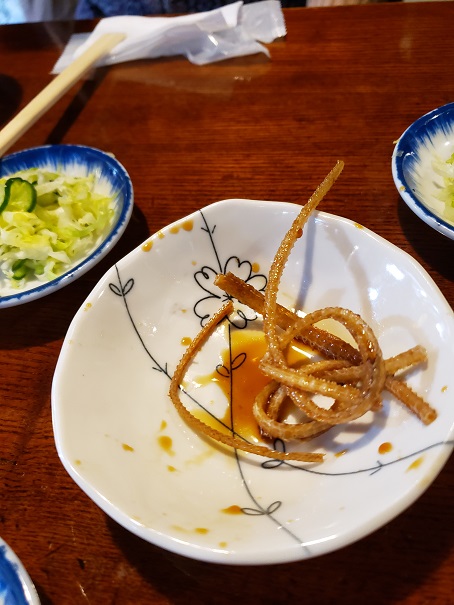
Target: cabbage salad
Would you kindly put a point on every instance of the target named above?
(445, 168)
(47, 222)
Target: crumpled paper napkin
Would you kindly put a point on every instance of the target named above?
(233, 30)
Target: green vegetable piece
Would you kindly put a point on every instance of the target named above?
(19, 195)
(48, 199)
(20, 269)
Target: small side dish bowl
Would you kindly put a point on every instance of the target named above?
(111, 179)
(429, 139)
(121, 439)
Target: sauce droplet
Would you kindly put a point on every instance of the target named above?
(415, 464)
(186, 340)
(341, 453)
(166, 443)
(201, 530)
(232, 510)
(188, 225)
(127, 447)
(255, 267)
(444, 389)
(385, 447)
(147, 246)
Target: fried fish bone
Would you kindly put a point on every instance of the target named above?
(353, 377)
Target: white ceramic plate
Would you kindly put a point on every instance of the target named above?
(430, 137)
(122, 441)
(16, 587)
(75, 160)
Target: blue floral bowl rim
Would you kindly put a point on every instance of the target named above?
(403, 148)
(15, 581)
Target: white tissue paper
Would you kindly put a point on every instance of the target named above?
(233, 30)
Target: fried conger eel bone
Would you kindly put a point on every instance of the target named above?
(332, 347)
(226, 438)
(353, 377)
(232, 439)
(319, 340)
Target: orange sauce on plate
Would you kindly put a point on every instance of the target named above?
(241, 380)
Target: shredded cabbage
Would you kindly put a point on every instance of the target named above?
(445, 168)
(70, 218)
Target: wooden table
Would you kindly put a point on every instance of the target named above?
(345, 83)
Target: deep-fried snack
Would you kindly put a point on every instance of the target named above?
(352, 377)
(201, 427)
(319, 340)
(346, 357)
(412, 400)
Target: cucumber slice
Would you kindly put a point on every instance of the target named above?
(20, 269)
(19, 195)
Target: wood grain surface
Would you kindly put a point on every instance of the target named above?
(344, 83)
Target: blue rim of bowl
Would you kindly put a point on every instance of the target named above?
(428, 124)
(21, 160)
(14, 579)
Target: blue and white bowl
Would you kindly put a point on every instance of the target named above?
(430, 137)
(16, 587)
(76, 160)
